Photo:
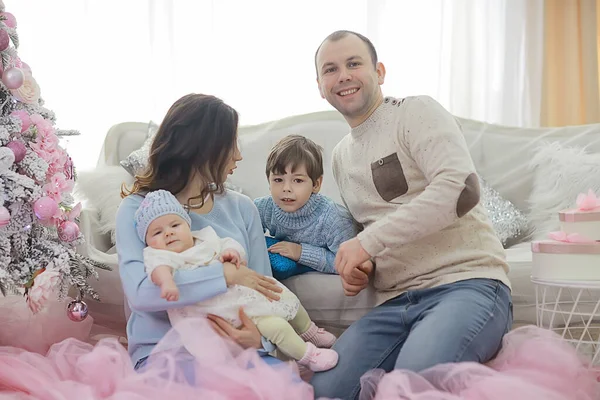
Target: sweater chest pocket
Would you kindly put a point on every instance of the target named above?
(388, 177)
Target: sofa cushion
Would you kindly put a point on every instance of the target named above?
(502, 154)
(509, 223)
(100, 189)
(137, 160)
(560, 174)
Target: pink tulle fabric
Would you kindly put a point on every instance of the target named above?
(534, 364)
(73, 369)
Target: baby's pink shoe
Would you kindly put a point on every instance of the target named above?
(318, 360)
(319, 337)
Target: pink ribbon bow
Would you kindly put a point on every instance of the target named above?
(588, 202)
(569, 237)
(74, 213)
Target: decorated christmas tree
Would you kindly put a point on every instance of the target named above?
(38, 229)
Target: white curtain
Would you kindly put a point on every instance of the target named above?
(101, 62)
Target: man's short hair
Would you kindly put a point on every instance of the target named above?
(337, 35)
(295, 151)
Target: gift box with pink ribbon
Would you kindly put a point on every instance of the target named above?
(583, 220)
(573, 253)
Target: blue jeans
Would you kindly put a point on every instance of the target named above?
(461, 321)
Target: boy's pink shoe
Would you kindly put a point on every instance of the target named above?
(318, 360)
(319, 337)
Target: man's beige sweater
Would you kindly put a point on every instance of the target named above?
(407, 176)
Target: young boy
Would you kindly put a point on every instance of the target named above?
(309, 226)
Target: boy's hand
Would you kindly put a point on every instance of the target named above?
(232, 256)
(287, 249)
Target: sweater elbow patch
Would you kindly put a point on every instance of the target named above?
(469, 197)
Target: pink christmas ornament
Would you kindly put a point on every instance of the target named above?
(45, 208)
(77, 310)
(4, 40)
(4, 217)
(25, 67)
(18, 148)
(68, 231)
(24, 117)
(10, 20)
(13, 78)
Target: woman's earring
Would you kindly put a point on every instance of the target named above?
(212, 186)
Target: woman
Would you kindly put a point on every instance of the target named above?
(193, 151)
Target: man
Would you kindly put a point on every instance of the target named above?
(406, 175)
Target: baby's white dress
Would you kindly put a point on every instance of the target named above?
(207, 248)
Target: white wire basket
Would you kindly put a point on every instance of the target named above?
(572, 310)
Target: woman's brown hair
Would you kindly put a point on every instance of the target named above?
(197, 135)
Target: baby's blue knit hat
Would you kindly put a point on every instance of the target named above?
(155, 205)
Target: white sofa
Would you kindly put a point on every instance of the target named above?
(502, 155)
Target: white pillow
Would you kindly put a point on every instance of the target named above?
(560, 174)
(101, 189)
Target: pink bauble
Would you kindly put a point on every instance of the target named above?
(24, 117)
(18, 148)
(25, 67)
(13, 78)
(45, 208)
(10, 20)
(77, 310)
(4, 40)
(4, 217)
(68, 231)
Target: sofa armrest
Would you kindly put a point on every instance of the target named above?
(89, 225)
(109, 312)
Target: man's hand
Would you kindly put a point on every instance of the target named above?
(353, 264)
(357, 279)
(287, 249)
(350, 255)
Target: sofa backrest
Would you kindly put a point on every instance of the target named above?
(501, 154)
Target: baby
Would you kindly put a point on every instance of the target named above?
(165, 227)
(307, 226)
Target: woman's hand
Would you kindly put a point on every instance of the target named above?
(244, 276)
(246, 336)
